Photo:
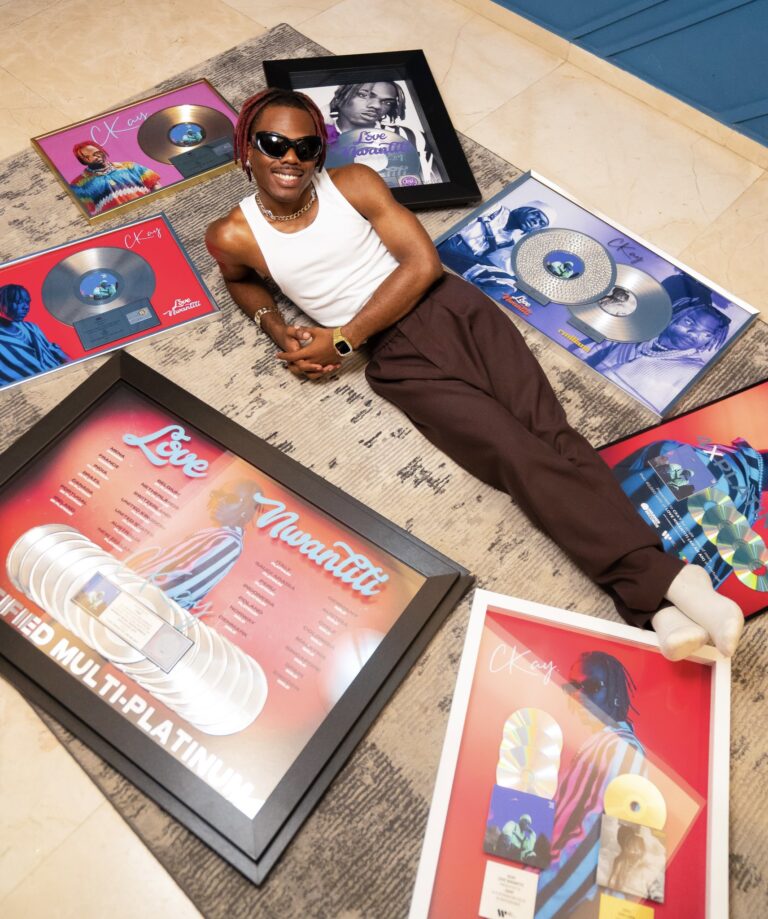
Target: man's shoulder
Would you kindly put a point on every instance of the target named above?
(356, 179)
(363, 187)
(230, 232)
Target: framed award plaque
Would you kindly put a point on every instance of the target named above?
(117, 159)
(93, 295)
(217, 622)
(385, 110)
(582, 774)
(701, 481)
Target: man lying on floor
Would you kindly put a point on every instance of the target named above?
(364, 270)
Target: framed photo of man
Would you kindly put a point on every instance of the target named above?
(385, 110)
(216, 621)
(115, 160)
(582, 774)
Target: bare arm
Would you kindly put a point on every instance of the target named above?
(243, 269)
(403, 235)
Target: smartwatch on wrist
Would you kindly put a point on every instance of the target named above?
(341, 344)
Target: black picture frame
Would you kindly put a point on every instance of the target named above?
(459, 186)
(251, 845)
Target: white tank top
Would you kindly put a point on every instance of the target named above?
(331, 268)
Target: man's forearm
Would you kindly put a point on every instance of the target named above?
(393, 298)
(251, 297)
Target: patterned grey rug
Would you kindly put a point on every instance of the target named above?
(356, 856)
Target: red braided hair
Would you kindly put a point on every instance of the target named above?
(87, 143)
(255, 105)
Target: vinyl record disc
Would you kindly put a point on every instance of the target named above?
(529, 755)
(95, 281)
(390, 154)
(181, 127)
(565, 266)
(637, 800)
(637, 308)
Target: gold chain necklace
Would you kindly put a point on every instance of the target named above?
(302, 210)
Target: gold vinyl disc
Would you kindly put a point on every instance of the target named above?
(178, 128)
(637, 800)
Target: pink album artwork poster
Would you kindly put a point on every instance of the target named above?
(122, 156)
(216, 610)
(88, 297)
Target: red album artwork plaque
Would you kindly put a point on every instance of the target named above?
(701, 481)
(582, 775)
(84, 298)
(208, 612)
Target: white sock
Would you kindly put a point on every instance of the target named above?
(693, 594)
(678, 635)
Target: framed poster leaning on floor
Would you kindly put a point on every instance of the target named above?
(384, 110)
(582, 774)
(216, 621)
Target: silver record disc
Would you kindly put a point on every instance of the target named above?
(94, 281)
(24, 544)
(52, 567)
(637, 308)
(564, 266)
(529, 755)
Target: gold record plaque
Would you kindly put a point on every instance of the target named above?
(120, 158)
(179, 128)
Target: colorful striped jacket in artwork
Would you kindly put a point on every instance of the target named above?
(189, 570)
(571, 877)
(101, 190)
(25, 351)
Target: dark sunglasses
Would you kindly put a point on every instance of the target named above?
(277, 145)
(590, 687)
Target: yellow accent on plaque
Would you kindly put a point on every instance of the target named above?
(637, 800)
(614, 908)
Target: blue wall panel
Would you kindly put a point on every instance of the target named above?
(711, 53)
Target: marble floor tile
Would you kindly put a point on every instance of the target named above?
(477, 65)
(103, 870)
(670, 105)
(13, 12)
(44, 795)
(272, 12)
(660, 179)
(23, 114)
(66, 53)
(733, 250)
(519, 25)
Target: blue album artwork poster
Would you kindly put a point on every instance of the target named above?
(519, 827)
(626, 310)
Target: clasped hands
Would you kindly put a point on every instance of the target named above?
(308, 351)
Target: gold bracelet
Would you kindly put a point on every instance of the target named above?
(262, 311)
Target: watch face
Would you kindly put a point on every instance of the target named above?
(342, 347)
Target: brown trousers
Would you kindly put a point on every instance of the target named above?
(461, 371)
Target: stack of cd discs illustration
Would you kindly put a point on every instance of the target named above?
(529, 754)
(182, 662)
(729, 530)
(607, 300)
